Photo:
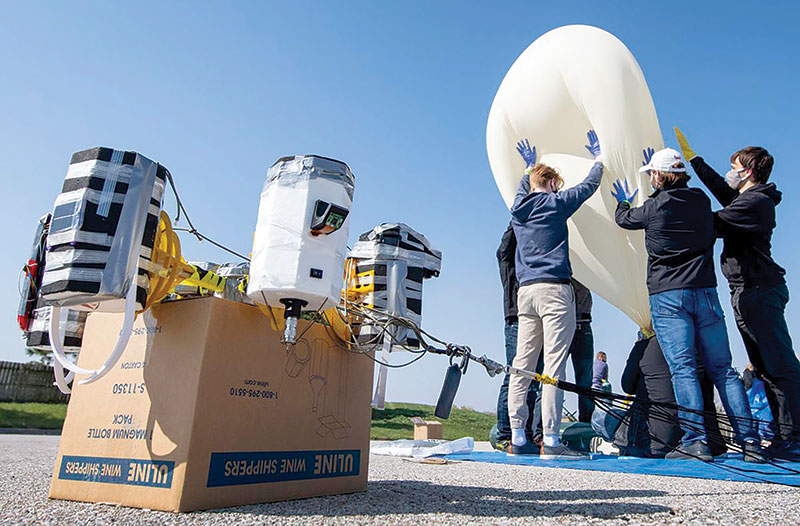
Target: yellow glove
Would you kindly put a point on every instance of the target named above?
(688, 153)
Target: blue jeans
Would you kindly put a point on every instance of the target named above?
(690, 326)
(503, 423)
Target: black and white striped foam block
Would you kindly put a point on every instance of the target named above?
(72, 326)
(373, 273)
(90, 213)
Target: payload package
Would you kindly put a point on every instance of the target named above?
(102, 231)
(300, 241)
(392, 260)
(72, 323)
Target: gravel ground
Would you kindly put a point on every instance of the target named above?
(402, 492)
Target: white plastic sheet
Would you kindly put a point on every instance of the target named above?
(571, 80)
(424, 448)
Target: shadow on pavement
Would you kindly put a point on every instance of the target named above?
(417, 497)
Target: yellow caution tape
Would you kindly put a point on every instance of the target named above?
(168, 268)
(545, 380)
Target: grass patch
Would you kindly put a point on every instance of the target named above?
(390, 424)
(393, 422)
(32, 415)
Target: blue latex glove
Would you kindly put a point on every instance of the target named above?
(648, 154)
(594, 144)
(527, 152)
(621, 193)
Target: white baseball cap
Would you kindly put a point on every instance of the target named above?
(663, 160)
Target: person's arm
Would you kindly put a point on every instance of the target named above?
(528, 154)
(631, 218)
(715, 183)
(747, 379)
(632, 372)
(523, 190)
(574, 197)
(743, 217)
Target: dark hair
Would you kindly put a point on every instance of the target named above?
(757, 159)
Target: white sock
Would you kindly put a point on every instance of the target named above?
(550, 440)
(518, 437)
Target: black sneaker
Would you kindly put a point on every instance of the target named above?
(694, 451)
(752, 452)
(784, 450)
(528, 448)
(562, 452)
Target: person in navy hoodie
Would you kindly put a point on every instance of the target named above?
(546, 299)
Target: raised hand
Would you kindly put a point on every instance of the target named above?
(594, 144)
(647, 154)
(527, 152)
(622, 193)
(688, 153)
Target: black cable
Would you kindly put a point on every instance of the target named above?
(192, 230)
(730, 469)
(664, 411)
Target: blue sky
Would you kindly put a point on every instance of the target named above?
(400, 91)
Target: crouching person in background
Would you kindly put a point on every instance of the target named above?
(649, 429)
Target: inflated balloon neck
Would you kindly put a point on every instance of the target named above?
(646, 333)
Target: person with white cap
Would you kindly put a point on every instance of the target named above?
(686, 312)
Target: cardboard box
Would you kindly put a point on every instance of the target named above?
(426, 429)
(208, 409)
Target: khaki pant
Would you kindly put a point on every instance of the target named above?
(546, 321)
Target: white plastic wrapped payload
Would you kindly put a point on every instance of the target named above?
(102, 231)
(301, 235)
(570, 80)
(392, 260)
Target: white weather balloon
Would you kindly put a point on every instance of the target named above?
(570, 80)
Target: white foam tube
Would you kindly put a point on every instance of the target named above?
(60, 356)
(122, 342)
(379, 398)
(113, 358)
(61, 381)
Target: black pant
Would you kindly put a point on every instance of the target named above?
(759, 313)
(582, 354)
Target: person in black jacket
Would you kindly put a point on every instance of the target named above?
(758, 287)
(508, 277)
(647, 377)
(686, 313)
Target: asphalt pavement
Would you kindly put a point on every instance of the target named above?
(403, 492)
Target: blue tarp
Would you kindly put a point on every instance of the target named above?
(723, 468)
